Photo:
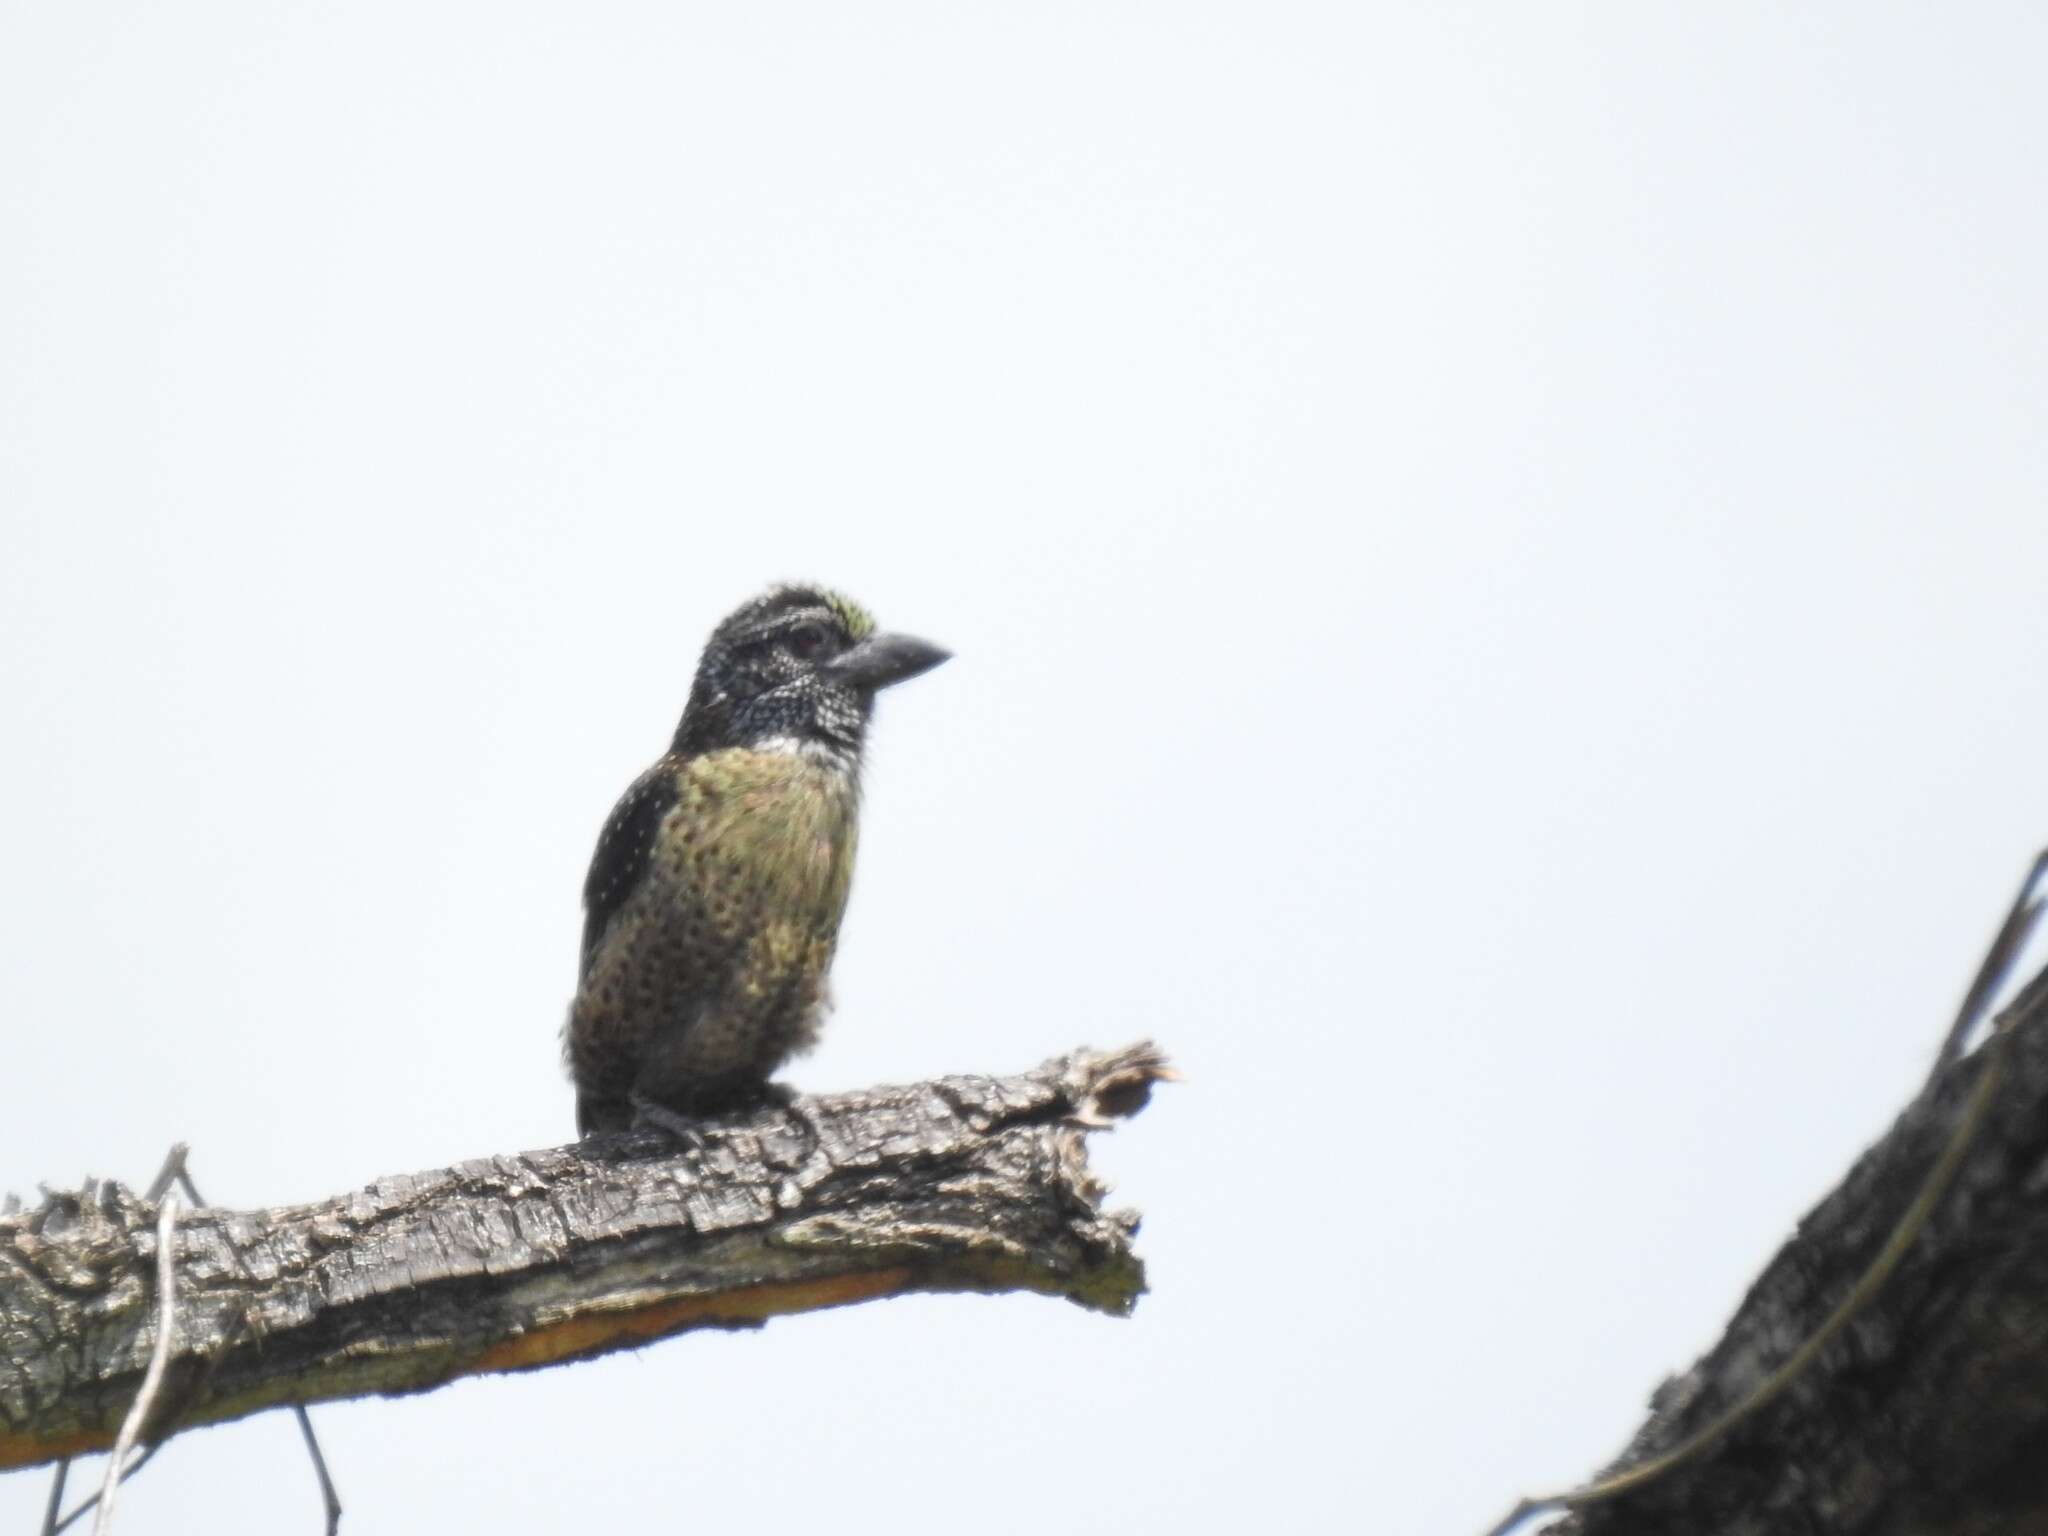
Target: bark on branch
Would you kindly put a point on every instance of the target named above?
(1928, 1412)
(514, 1262)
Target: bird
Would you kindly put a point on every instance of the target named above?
(713, 901)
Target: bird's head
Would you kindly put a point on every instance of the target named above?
(796, 668)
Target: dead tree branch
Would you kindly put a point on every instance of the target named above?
(515, 1262)
(1925, 1407)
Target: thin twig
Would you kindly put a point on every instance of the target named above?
(327, 1494)
(56, 1497)
(159, 1357)
(91, 1501)
(176, 1170)
(2013, 934)
(2011, 938)
(173, 1170)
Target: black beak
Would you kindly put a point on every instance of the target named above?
(881, 660)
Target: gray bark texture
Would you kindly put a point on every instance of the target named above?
(515, 1262)
(1928, 1412)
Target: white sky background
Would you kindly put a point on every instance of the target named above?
(1497, 564)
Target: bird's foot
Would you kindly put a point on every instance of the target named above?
(785, 1098)
(648, 1113)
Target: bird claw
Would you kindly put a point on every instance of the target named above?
(785, 1098)
(661, 1118)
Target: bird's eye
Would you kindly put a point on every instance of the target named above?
(806, 640)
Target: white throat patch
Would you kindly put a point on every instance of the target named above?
(831, 754)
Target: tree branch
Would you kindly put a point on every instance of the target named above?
(1927, 1411)
(515, 1262)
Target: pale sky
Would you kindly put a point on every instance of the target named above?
(1496, 558)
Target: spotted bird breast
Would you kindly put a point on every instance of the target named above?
(713, 971)
(773, 830)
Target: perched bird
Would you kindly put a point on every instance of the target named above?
(713, 901)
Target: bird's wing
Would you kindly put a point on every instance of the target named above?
(625, 848)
